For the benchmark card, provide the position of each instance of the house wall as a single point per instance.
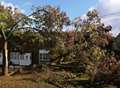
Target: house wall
(36, 57)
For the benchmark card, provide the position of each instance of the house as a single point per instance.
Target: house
(39, 54)
(25, 59)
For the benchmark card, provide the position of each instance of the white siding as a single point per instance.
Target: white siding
(20, 59)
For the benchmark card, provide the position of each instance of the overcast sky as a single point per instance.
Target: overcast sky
(109, 9)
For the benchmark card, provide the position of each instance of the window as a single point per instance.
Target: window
(43, 57)
(27, 57)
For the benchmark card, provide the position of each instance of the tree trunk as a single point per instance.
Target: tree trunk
(93, 75)
(5, 59)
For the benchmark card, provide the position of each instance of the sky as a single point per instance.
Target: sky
(108, 9)
(73, 8)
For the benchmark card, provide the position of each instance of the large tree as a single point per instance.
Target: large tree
(49, 22)
(91, 46)
(8, 19)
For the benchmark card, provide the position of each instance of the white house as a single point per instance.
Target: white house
(25, 59)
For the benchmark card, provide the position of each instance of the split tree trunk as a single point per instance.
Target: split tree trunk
(5, 59)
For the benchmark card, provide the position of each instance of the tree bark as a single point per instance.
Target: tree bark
(5, 59)
(93, 75)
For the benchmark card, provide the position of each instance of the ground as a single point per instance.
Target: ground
(23, 81)
(47, 78)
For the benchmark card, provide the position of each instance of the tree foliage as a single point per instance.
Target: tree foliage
(49, 18)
